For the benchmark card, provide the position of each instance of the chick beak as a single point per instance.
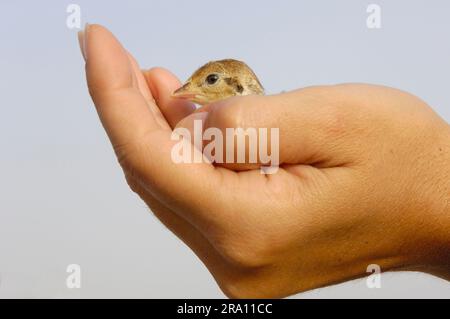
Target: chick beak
(184, 92)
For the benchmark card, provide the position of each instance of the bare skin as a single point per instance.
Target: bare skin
(364, 177)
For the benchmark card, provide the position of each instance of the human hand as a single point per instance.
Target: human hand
(363, 178)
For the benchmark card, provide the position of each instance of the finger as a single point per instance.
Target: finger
(143, 147)
(122, 109)
(145, 91)
(162, 83)
(140, 80)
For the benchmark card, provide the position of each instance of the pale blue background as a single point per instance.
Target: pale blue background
(63, 199)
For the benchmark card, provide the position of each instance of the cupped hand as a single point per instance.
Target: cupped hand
(363, 177)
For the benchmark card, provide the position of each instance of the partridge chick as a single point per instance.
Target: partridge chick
(218, 80)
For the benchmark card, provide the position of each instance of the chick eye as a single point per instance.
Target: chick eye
(212, 79)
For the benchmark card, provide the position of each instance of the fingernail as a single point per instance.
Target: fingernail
(82, 41)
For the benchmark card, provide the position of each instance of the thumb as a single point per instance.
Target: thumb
(297, 127)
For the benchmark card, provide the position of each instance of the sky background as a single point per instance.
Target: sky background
(63, 198)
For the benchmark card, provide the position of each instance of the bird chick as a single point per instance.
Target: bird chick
(218, 80)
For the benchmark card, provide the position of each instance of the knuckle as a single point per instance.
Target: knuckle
(236, 290)
(133, 184)
(130, 157)
(125, 157)
(246, 252)
(333, 113)
(335, 121)
(132, 181)
(244, 285)
(228, 115)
